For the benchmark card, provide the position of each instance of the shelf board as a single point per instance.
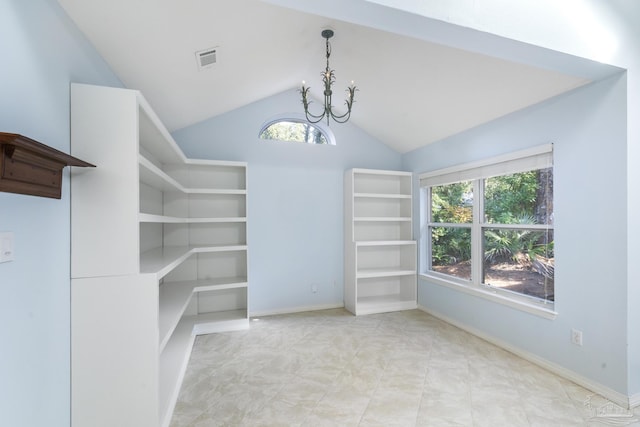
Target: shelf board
(218, 284)
(161, 261)
(215, 191)
(385, 242)
(220, 321)
(208, 162)
(155, 177)
(173, 300)
(380, 172)
(219, 248)
(155, 137)
(382, 219)
(144, 217)
(382, 195)
(369, 273)
(382, 304)
(175, 296)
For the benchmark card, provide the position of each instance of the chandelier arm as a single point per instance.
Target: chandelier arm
(339, 118)
(306, 102)
(314, 118)
(349, 101)
(342, 116)
(314, 121)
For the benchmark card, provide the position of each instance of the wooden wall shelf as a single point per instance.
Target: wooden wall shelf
(32, 168)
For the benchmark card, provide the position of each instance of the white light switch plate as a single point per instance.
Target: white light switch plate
(6, 246)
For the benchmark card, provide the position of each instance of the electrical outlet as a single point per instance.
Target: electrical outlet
(576, 337)
(6, 246)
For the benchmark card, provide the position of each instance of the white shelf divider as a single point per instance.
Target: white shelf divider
(382, 219)
(161, 261)
(383, 272)
(385, 242)
(380, 304)
(382, 196)
(162, 219)
(155, 177)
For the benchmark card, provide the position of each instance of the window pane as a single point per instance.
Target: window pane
(452, 203)
(451, 251)
(520, 198)
(290, 131)
(520, 261)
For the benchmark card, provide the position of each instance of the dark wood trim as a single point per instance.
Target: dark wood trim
(32, 168)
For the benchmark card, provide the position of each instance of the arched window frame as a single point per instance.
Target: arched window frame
(299, 118)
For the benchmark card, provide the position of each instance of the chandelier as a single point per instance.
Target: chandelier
(328, 78)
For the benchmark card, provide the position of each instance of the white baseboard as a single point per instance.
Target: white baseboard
(296, 309)
(634, 400)
(606, 392)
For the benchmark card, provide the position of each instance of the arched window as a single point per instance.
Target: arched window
(293, 128)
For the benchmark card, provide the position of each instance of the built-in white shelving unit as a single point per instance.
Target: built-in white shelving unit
(159, 255)
(380, 255)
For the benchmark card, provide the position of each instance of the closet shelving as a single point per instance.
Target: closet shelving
(380, 255)
(158, 240)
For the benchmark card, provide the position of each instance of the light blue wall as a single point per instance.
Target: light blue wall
(295, 217)
(41, 51)
(588, 129)
(295, 210)
(296, 198)
(604, 32)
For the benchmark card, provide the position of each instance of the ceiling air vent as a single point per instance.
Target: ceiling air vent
(207, 58)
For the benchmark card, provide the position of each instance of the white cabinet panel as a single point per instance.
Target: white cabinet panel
(114, 352)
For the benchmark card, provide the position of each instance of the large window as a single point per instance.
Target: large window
(489, 225)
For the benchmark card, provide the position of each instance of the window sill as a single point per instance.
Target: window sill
(494, 296)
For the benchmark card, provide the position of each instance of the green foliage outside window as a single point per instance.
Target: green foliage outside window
(510, 199)
(450, 245)
(452, 203)
(521, 198)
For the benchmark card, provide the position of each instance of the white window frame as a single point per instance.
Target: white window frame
(539, 157)
(300, 118)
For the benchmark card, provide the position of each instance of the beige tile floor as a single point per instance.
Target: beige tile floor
(329, 368)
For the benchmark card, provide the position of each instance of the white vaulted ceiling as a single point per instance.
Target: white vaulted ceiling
(411, 91)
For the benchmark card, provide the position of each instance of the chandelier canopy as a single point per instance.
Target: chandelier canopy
(328, 78)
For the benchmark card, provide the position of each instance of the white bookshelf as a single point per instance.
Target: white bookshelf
(148, 214)
(380, 255)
